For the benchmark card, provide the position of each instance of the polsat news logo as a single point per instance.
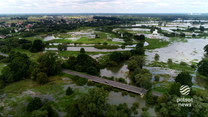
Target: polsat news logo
(185, 90)
(185, 102)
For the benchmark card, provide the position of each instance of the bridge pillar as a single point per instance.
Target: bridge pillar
(142, 95)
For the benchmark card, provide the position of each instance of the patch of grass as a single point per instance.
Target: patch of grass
(2, 65)
(163, 88)
(76, 53)
(156, 43)
(32, 56)
(87, 40)
(60, 41)
(172, 66)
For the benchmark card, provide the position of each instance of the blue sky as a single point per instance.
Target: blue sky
(103, 6)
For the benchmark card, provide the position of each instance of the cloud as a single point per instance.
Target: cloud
(102, 6)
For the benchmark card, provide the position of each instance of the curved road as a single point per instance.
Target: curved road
(115, 84)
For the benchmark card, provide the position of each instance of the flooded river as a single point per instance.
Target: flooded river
(192, 50)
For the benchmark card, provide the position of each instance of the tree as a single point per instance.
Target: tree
(144, 80)
(39, 113)
(37, 46)
(184, 78)
(203, 67)
(206, 48)
(62, 47)
(69, 91)
(132, 65)
(17, 69)
(91, 104)
(49, 64)
(42, 78)
(82, 50)
(171, 108)
(201, 28)
(117, 57)
(121, 110)
(157, 78)
(174, 89)
(157, 57)
(200, 107)
(34, 104)
(92, 71)
(140, 61)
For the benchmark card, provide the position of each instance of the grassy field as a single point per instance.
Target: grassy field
(172, 66)
(76, 53)
(19, 93)
(156, 43)
(32, 56)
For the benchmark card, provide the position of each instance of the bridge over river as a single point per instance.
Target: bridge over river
(115, 84)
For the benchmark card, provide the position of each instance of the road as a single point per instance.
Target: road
(5, 55)
(115, 84)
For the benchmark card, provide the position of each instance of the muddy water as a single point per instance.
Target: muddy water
(116, 98)
(116, 72)
(180, 51)
(48, 38)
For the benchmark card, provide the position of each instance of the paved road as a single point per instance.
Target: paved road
(115, 84)
(4, 54)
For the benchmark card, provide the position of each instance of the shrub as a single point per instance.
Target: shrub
(157, 78)
(39, 113)
(90, 83)
(69, 91)
(170, 61)
(157, 57)
(121, 80)
(193, 66)
(92, 71)
(183, 63)
(2, 84)
(34, 104)
(42, 78)
(81, 81)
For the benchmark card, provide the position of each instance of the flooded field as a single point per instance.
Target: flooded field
(192, 50)
(117, 72)
(116, 98)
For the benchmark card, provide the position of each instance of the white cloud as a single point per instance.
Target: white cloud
(102, 6)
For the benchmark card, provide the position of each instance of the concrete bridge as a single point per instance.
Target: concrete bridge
(115, 84)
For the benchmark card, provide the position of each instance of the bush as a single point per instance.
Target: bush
(81, 81)
(2, 84)
(111, 64)
(39, 113)
(157, 78)
(157, 57)
(34, 104)
(75, 78)
(193, 66)
(170, 61)
(69, 91)
(121, 80)
(92, 71)
(90, 83)
(183, 63)
(42, 78)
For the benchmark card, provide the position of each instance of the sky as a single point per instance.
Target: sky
(103, 6)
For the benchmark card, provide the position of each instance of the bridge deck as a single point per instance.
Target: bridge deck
(115, 84)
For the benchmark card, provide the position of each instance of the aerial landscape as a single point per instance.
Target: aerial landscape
(62, 62)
